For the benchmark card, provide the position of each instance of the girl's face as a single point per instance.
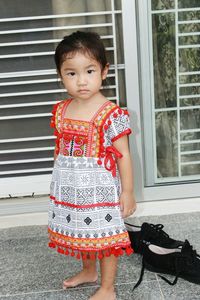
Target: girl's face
(82, 76)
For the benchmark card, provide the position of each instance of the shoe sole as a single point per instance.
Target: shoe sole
(153, 269)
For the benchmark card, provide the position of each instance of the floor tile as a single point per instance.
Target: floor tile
(133, 220)
(23, 231)
(183, 290)
(183, 231)
(70, 294)
(191, 217)
(146, 291)
(129, 269)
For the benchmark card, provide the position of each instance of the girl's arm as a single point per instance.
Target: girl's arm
(127, 198)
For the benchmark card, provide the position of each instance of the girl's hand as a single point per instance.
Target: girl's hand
(127, 204)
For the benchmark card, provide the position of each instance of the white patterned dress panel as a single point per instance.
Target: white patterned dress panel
(83, 186)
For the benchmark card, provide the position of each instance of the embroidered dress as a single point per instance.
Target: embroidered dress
(84, 211)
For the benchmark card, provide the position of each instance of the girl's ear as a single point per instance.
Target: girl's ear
(105, 71)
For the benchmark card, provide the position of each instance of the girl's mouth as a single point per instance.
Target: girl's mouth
(83, 91)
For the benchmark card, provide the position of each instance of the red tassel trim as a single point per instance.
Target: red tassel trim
(126, 112)
(66, 252)
(129, 251)
(99, 162)
(107, 253)
(52, 245)
(60, 250)
(84, 256)
(78, 256)
(100, 255)
(72, 253)
(92, 254)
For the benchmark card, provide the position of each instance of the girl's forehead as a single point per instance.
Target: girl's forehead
(78, 58)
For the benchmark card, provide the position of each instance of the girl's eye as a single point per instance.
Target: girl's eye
(71, 74)
(90, 71)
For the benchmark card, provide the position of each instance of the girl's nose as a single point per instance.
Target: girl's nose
(81, 80)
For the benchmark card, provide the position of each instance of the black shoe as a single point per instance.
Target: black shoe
(181, 262)
(148, 233)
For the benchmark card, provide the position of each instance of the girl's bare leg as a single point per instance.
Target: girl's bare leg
(108, 272)
(87, 274)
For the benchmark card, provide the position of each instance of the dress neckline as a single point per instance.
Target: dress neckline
(68, 101)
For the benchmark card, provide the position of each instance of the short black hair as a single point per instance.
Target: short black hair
(80, 41)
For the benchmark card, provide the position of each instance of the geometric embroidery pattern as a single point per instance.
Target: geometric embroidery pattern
(105, 194)
(88, 221)
(108, 217)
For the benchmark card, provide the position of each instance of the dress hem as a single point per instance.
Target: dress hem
(117, 250)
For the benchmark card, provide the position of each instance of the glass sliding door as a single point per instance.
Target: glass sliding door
(170, 58)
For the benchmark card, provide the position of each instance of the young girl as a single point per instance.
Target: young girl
(92, 183)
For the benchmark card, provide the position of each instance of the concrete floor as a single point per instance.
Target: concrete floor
(30, 270)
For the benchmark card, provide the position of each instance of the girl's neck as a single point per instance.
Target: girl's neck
(97, 99)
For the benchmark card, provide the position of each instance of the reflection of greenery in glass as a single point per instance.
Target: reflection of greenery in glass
(190, 119)
(188, 15)
(191, 90)
(164, 60)
(189, 101)
(189, 78)
(190, 170)
(189, 59)
(195, 90)
(162, 4)
(188, 3)
(191, 157)
(184, 28)
(190, 147)
(189, 40)
(190, 136)
(166, 144)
